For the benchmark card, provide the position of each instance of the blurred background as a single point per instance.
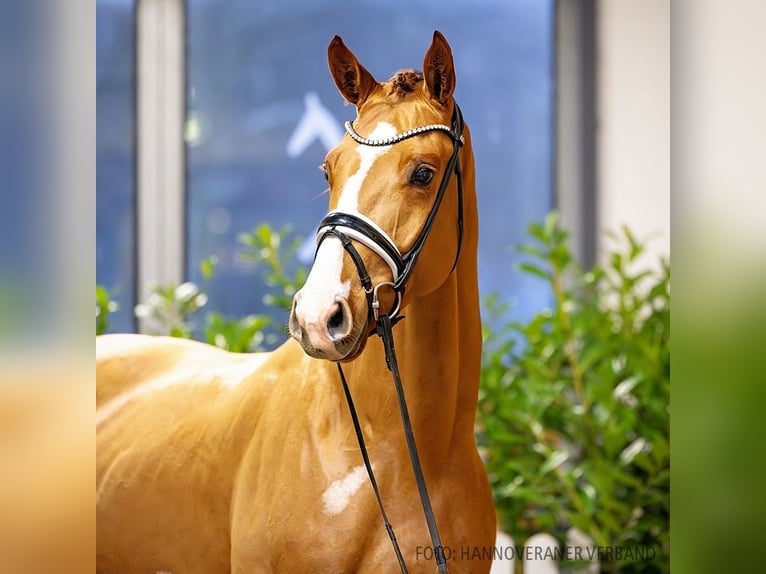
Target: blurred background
(213, 117)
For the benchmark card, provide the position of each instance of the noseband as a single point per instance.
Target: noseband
(348, 227)
(355, 226)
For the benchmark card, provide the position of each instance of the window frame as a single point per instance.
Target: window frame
(160, 148)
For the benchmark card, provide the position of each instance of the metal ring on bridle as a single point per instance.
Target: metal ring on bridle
(376, 302)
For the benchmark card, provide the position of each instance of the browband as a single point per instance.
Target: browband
(402, 136)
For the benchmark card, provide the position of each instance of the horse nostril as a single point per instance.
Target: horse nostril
(337, 324)
(336, 319)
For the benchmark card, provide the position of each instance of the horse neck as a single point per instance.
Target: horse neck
(438, 347)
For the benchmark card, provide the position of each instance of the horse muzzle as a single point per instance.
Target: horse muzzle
(325, 330)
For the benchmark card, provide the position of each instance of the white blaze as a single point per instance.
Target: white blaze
(323, 283)
(349, 197)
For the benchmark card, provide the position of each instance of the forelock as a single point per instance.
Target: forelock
(404, 82)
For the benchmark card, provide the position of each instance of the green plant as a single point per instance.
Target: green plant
(244, 335)
(574, 404)
(238, 335)
(271, 250)
(170, 309)
(104, 307)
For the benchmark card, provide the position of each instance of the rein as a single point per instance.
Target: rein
(351, 226)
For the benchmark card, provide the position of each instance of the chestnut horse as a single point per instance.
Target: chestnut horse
(210, 462)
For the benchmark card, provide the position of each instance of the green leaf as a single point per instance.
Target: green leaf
(533, 270)
(556, 459)
(624, 388)
(263, 234)
(549, 227)
(104, 307)
(635, 247)
(207, 267)
(532, 250)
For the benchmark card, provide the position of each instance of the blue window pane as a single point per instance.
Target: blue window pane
(255, 70)
(25, 253)
(115, 185)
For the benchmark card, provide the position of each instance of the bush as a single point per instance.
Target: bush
(171, 309)
(574, 404)
(275, 253)
(168, 308)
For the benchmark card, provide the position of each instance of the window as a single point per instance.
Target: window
(254, 70)
(115, 187)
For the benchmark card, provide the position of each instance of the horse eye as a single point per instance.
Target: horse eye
(422, 176)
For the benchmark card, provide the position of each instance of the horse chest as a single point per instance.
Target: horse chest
(310, 506)
(309, 531)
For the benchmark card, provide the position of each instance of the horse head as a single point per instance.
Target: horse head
(391, 187)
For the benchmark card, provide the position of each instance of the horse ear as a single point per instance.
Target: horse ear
(439, 69)
(353, 80)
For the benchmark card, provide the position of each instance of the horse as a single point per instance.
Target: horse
(210, 461)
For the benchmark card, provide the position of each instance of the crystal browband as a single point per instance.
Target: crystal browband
(402, 136)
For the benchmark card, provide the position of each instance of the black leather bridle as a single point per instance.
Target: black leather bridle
(350, 227)
(355, 226)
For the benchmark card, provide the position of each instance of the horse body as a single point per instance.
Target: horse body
(210, 461)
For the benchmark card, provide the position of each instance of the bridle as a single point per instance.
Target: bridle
(350, 227)
(355, 226)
